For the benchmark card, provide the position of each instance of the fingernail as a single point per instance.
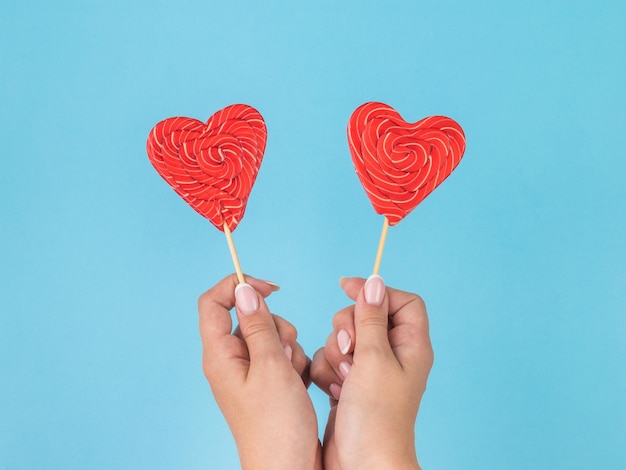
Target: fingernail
(246, 298)
(275, 287)
(342, 279)
(344, 341)
(335, 391)
(344, 368)
(374, 290)
(288, 351)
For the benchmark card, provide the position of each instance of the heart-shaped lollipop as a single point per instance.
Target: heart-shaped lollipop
(400, 163)
(211, 166)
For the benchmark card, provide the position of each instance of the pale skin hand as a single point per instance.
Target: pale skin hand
(376, 383)
(258, 375)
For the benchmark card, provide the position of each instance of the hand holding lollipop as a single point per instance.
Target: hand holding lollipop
(376, 361)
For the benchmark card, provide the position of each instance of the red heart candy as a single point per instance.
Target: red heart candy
(400, 163)
(211, 166)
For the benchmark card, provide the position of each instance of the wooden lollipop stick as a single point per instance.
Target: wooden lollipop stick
(233, 253)
(381, 246)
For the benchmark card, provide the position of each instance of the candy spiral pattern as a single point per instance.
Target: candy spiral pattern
(400, 163)
(212, 166)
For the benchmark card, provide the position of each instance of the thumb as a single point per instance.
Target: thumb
(256, 323)
(371, 317)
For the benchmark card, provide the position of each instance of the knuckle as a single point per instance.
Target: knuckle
(333, 355)
(286, 330)
(343, 317)
(318, 366)
(373, 319)
(319, 355)
(298, 361)
(204, 301)
(423, 356)
(429, 354)
(254, 330)
(290, 331)
(417, 302)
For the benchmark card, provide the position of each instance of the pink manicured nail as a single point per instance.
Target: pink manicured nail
(246, 298)
(275, 287)
(344, 368)
(344, 341)
(288, 351)
(335, 391)
(374, 290)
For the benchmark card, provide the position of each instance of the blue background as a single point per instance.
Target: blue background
(520, 254)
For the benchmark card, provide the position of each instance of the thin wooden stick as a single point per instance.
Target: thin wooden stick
(233, 253)
(381, 246)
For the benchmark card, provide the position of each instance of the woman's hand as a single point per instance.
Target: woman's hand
(259, 376)
(374, 367)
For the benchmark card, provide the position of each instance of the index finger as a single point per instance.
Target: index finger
(409, 335)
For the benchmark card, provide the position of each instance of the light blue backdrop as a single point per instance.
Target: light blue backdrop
(520, 254)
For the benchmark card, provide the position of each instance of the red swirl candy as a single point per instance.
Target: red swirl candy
(400, 163)
(211, 166)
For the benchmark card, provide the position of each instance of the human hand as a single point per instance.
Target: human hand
(257, 374)
(374, 367)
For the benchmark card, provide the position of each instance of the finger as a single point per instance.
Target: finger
(288, 334)
(352, 286)
(406, 308)
(324, 376)
(257, 325)
(215, 324)
(343, 326)
(409, 336)
(371, 318)
(301, 363)
(341, 363)
(214, 311)
(286, 331)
